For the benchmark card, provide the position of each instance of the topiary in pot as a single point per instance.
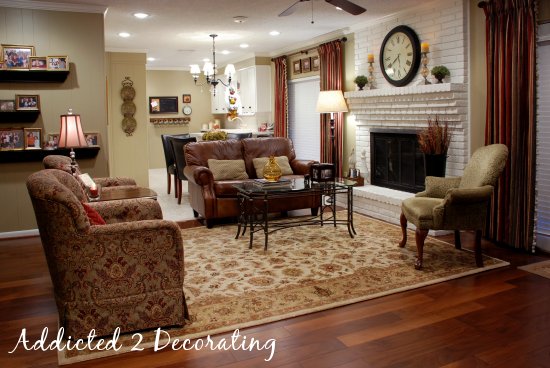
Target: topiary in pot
(361, 81)
(440, 72)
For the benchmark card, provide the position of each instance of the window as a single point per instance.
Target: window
(303, 118)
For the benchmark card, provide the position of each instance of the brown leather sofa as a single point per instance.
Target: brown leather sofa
(214, 199)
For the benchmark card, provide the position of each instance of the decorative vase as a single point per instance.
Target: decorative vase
(439, 78)
(435, 165)
(272, 171)
(361, 86)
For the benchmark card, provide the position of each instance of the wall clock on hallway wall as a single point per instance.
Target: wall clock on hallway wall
(400, 56)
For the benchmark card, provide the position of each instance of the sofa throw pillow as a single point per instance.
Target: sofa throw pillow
(227, 169)
(94, 217)
(282, 161)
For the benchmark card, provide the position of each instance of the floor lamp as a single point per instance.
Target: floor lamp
(71, 135)
(332, 102)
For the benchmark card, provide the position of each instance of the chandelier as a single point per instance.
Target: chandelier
(210, 69)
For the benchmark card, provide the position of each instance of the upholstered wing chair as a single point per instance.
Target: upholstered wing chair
(64, 163)
(120, 274)
(458, 203)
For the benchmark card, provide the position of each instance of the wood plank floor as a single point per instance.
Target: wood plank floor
(499, 318)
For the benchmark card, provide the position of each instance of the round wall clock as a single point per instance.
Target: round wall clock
(187, 110)
(400, 55)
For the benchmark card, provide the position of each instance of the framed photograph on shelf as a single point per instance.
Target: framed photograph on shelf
(33, 138)
(17, 56)
(163, 105)
(58, 63)
(52, 140)
(12, 139)
(186, 98)
(92, 138)
(306, 65)
(38, 63)
(7, 105)
(27, 102)
(315, 63)
(297, 66)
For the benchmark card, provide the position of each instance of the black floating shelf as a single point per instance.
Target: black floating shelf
(33, 76)
(39, 154)
(21, 116)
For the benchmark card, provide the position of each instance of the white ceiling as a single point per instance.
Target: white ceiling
(177, 32)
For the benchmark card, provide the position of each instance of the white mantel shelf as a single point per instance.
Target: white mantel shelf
(409, 90)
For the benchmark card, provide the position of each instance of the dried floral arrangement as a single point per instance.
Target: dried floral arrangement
(436, 138)
(214, 135)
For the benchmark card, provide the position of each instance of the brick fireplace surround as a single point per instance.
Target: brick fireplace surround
(405, 109)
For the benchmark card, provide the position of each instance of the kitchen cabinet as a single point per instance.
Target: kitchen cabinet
(218, 103)
(254, 85)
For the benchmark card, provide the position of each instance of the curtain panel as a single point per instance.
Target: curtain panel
(510, 27)
(330, 72)
(281, 97)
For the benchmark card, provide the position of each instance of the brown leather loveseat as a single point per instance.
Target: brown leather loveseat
(213, 199)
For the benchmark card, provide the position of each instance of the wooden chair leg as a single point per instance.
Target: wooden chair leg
(169, 181)
(477, 249)
(179, 191)
(458, 244)
(403, 221)
(175, 186)
(195, 214)
(420, 237)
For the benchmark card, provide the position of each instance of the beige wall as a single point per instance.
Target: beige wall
(80, 37)
(175, 83)
(477, 80)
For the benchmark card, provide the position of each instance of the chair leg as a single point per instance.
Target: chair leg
(179, 191)
(477, 249)
(195, 214)
(403, 221)
(420, 237)
(458, 244)
(175, 186)
(169, 182)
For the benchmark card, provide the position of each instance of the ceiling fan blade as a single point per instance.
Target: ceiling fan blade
(291, 9)
(347, 6)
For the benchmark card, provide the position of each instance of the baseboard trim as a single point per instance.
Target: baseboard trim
(19, 234)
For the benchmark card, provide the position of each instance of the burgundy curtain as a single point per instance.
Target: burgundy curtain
(510, 27)
(281, 97)
(331, 66)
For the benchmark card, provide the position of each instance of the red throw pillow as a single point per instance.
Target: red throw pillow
(94, 217)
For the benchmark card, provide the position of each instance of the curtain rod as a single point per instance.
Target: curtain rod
(306, 51)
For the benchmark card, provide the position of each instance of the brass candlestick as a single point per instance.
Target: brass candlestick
(425, 71)
(371, 77)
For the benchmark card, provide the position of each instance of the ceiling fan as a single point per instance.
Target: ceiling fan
(345, 5)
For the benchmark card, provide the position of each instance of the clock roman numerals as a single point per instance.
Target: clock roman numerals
(400, 53)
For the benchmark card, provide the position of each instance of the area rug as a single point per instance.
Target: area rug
(305, 269)
(539, 268)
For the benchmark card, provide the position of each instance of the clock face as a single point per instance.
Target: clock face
(400, 56)
(187, 110)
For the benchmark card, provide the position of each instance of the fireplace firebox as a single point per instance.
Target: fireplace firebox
(396, 161)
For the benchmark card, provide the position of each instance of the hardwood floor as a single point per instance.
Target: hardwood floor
(499, 318)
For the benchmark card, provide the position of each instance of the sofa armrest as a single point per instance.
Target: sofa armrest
(301, 167)
(437, 187)
(114, 182)
(199, 175)
(128, 210)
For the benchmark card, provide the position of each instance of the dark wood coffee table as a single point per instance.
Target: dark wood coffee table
(125, 192)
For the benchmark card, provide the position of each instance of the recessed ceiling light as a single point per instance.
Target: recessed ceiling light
(141, 15)
(124, 34)
(151, 59)
(274, 33)
(225, 52)
(338, 8)
(243, 45)
(240, 19)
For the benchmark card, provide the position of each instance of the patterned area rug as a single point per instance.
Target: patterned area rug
(305, 269)
(539, 268)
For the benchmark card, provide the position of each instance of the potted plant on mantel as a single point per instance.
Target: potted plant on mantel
(440, 72)
(361, 81)
(434, 142)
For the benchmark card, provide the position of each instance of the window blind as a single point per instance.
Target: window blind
(303, 118)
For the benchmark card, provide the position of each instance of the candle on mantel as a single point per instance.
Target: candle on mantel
(425, 47)
(370, 58)
(94, 191)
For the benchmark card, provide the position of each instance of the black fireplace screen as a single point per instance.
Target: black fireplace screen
(396, 162)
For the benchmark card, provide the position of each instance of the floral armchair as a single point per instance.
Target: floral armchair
(127, 273)
(64, 163)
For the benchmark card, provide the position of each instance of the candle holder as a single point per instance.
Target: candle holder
(425, 71)
(371, 76)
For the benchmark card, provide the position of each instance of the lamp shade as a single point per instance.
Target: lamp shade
(70, 134)
(331, 101)
(195, 69)
(230, 70)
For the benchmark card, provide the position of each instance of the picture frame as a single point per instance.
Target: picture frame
(58, 62)
(12, 139)
(7, 105)
(38, 63)
(186, 98)
(315, 64)
(92, 138)
(52, 141)
(297, 66)
(163, 105)
(17, 56)
(33, 138)
(27, 102)
(306, 65)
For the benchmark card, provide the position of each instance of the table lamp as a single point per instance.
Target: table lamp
(332, 102)
(71, 136)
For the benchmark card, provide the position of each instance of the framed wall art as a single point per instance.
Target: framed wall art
(92, 138)
(306, 65)
(315, 63)
(17, 56)
(163, 105)
(58, 63)
(12, 139)
(33, 138)
(186, 98)
(27, 102)
(297, 66)
(38, 63)
(7, 105)
(52, 140)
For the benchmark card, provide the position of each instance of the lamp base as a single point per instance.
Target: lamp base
(72, 155)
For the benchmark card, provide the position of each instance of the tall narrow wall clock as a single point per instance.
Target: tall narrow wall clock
(400, 55)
